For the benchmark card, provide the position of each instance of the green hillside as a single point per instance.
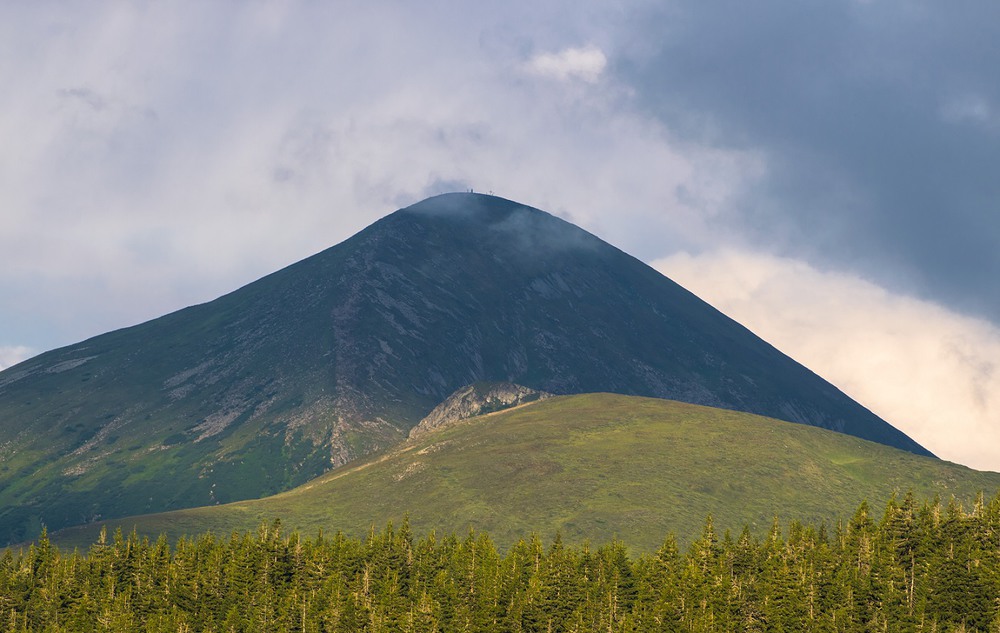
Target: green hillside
(593, 467)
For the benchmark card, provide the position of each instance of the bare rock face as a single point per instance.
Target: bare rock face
(477, 399)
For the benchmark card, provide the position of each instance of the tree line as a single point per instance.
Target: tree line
(917, 567)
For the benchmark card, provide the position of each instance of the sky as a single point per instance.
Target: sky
(824, 173)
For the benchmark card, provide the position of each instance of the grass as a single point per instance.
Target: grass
(592, 467)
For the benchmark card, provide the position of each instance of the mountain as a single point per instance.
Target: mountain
(597, 467)
(340, 355)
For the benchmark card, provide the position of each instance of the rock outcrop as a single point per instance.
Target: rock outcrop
(477, 399)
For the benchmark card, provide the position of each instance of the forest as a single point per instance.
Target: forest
(916, 566)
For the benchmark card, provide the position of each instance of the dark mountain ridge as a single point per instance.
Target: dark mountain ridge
(341, 354)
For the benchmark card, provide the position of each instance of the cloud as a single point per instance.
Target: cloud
(586, 63)
(12, 355)
(156, 157)
(876, 121)
(928, 371)
(972, 109)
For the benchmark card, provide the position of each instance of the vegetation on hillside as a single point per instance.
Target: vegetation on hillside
(592, 466)
(918, 568)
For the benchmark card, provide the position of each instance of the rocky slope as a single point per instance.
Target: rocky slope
(477, 399)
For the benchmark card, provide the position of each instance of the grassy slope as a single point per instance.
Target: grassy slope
(595, 466)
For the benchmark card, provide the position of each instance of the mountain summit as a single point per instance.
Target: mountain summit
(342, 353)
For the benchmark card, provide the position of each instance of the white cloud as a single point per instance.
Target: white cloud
(971, 108)
(152, 158)
(12, 355)
(930, 372)
(586, 63)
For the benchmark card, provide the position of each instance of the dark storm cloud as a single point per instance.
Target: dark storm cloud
(879, 123)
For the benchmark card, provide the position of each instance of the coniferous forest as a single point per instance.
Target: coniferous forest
(914, 567)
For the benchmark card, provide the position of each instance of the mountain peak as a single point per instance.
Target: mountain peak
(491, 223)
(469, 205)
(454, 199)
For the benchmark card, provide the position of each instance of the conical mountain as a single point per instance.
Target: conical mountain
(342, 353)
